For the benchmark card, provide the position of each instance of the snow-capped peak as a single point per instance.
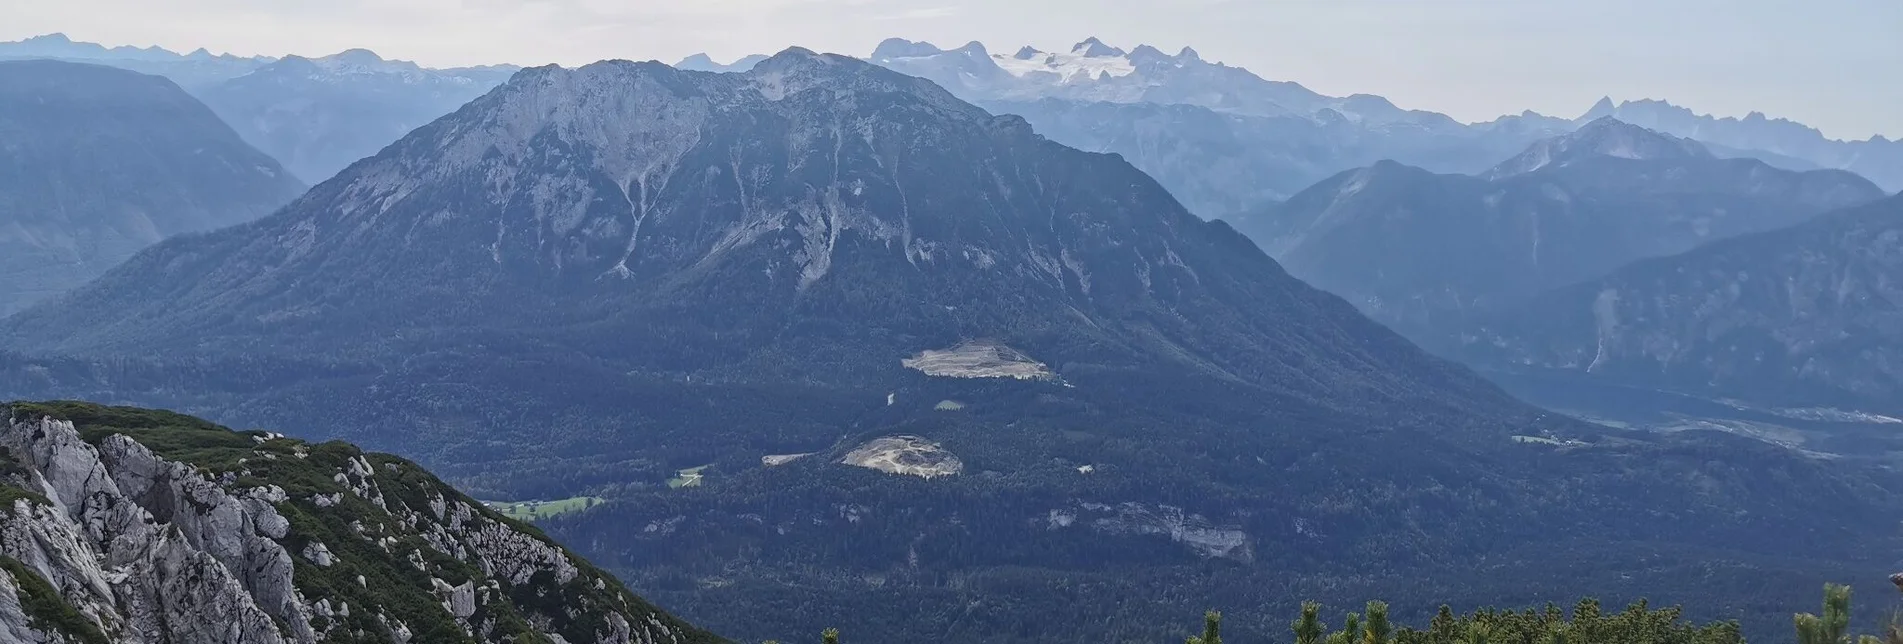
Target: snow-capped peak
(1089, 60)
(1093, 48)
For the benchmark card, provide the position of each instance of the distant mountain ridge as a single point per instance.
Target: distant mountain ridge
(1778, 141)
(314, 115)
(704, 63)
(99, 163)
(1419, 250)
(191, 71)
(1811, 314)
(1603, 137)
(318, 115)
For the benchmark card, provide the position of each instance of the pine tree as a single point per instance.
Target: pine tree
(1445, 628)
(1477, 633)
(1212, 629)
(1828, 629)
(1378, 630)
(831, 636)
(1350, 631)
(1310, 629)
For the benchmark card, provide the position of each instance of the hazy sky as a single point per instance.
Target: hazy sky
(1834, 64)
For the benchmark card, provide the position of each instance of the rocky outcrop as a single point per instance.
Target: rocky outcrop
(197, 545)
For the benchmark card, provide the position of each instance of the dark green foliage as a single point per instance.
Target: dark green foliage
(1212, 629)
(1828, 629)
(48, 612)
(1638, 624)
(1309, 628)
(1834, 625)
(830, 636)
(1378, 629)
(13, 479)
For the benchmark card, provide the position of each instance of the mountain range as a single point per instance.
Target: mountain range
(318, 115)
(1172, 115)
(842, 348)
(101, 162)
(194, 70)
(1420, 250)
(315, 115)
(1221, 138)
(1780, 142)
(1806, 315)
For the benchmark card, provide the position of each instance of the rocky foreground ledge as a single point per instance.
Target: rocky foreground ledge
(132, 525)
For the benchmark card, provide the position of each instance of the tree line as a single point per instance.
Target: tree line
(1586, 624)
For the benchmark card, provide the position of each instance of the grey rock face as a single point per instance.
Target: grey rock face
(157, 551)
(204, 574)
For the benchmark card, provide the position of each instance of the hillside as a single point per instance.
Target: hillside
(99, 163)
(1420, 250)
(133, 525)
(1806, 315)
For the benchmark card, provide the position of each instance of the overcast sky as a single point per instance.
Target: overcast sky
(1833, 64)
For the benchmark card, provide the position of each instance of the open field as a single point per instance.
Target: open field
(538, 510)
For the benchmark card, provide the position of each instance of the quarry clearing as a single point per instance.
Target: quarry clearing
(979, 359)
(908, 455)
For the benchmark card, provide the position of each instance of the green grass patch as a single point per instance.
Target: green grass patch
(538, 510)
(690, 477)
(45, 610)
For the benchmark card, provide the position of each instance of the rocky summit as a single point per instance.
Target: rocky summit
(127, 525)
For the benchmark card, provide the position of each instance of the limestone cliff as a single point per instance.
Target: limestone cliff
(137, 526)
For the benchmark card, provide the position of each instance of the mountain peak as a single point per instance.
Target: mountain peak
(1601, 109)
(1602, 137)
(1093, 48)
(1188, 54)
(1027, 52)
(702, 62)
(55, 38)
(356, 56)
(901, 48)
